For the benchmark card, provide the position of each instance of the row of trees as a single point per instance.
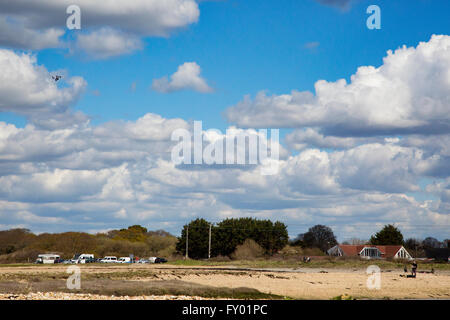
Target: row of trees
(322, 237)
(230, 237)
(18, 245)
(390, 234)
(230, 233)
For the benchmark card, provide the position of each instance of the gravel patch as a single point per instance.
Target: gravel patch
(82, 296)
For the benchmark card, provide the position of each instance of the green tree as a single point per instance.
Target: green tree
(280, 236)
(15, 239)
(298, 241)
(198, 239)
(413, 244)
(230, 233)
(389, 235)
(134, 233)
(430, 242)
(319, 236)
(446, 243)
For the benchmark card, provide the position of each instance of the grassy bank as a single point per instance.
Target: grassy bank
(329, 263)
(323, 263)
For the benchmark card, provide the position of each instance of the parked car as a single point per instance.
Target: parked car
(83, 258)
(160, 260)
(124, 260)
(87, 260)
(75, 257)
(109, 259)
(143, 261)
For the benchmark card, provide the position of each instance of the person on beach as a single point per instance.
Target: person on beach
(414, 268)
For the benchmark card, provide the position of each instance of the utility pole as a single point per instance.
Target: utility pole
(209, 247)
(187, 241)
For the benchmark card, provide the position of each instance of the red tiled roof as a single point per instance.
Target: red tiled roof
(389, 251)
(353, 250)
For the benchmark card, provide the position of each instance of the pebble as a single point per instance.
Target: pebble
(88, 296)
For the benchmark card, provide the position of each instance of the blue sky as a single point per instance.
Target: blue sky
(247, 46)
(242, 48)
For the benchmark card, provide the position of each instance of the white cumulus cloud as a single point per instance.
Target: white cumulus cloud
(28, 88)
(409, 93)
(106, 42)
(39, 24)
(187, 77)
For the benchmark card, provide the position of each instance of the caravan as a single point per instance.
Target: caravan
(47, 258)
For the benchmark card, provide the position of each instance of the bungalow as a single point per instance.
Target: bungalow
(369, 251)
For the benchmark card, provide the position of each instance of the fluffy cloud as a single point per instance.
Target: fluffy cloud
(310, 137)
(187, 77)
(26, 19)
(48, 186)
(28, 89)
(310, 172)
(379, 167)
(15, 34)
(153, 127)
(122, 170)
(442, 190)
(148, 17)
(60, 172)
(105, 43)
(85, 147)
(435, 147)
(409, 93)
(381, 137)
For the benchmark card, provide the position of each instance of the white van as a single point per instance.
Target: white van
(124, 260)
(47, 258)
(83, 258)
(109, 259)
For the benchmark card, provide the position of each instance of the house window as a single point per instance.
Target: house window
(371, 252)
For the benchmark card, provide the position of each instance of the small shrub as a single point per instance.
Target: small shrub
(20, 256)
(248, 250)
